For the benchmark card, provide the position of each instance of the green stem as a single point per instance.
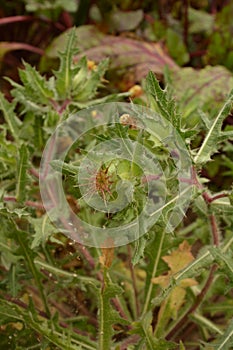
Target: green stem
(33, 269)
(149, 292)
(101, 324)
(107, 316)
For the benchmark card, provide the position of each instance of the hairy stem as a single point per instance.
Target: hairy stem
(216, 241)
(178, 327)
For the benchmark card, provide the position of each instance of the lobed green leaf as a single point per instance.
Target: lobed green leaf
(166, 106)
(210, 143)
(13, 122)
(22, 173)
(66, 73)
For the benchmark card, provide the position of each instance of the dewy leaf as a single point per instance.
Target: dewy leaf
(209, 145)
(9, 312)
(83, 280)
(66, 73)
(22, 173)
(20, 237)
(12, 121)
(166, 105)
(12, 312)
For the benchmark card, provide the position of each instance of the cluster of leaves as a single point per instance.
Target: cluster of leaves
(166, 290)
(135, 307)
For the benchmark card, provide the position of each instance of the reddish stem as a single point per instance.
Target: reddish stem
(13, 46)
(43, 314)
(66, 19)
(198, 53)
(134, 339)
(207, 198)
(15, 19)
(217, 196)
(178, 327)
(27, 203)
(215, 236)
(63, 106)
(149, 18)
(214, 229)
(34, 205)
(119, 308)
(34, 172)
(213, 7)
(186, 22)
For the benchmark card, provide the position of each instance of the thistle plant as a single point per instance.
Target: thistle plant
(155, 269)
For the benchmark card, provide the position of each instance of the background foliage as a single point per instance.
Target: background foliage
(165, 291)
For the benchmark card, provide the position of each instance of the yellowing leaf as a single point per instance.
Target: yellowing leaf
(107, 257)
(107, 254)
(176, 300)
(163, 281)
(188, 282)
(179, 258)
(170, 307)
